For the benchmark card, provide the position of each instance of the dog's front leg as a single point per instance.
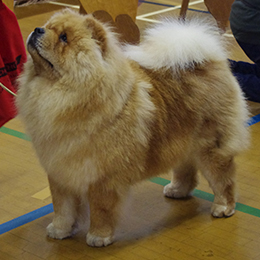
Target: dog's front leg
(65, 212)
(103, 203)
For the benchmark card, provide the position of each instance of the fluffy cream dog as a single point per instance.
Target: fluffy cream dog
(103, 117)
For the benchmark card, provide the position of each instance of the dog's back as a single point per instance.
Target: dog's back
(186, 62)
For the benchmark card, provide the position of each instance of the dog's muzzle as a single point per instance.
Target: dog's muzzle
(36, 34)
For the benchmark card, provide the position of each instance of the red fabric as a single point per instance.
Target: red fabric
(12, 57)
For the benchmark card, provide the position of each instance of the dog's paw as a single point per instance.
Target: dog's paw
(220, 211)
(59, 233)
(174, 191)
(97, 241)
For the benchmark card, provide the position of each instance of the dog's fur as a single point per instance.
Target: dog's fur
(103, 116)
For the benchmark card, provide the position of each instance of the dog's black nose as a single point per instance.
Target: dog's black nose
(39, 30)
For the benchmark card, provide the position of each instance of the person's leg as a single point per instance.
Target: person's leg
(250, 85)
(252, 51)
(244, 68)
(248, 74)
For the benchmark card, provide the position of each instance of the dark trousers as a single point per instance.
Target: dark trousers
(247, 74)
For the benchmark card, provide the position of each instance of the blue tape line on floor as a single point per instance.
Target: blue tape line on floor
(29, 217)
(253, 120)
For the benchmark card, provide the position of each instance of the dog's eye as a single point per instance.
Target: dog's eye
(63, 37)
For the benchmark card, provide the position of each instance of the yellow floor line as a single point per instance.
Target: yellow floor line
(43, 194)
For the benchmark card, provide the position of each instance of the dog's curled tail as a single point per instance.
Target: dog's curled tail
(179, 44)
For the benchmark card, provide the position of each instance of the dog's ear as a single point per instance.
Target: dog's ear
(98, 33)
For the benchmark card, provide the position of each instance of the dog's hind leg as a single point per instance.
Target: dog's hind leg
(103, 203)
(65, 213)
(184, 180)
(219, 170)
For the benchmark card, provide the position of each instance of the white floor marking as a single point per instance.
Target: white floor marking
(168, 9)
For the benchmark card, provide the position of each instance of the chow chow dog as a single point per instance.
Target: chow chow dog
(103, 116)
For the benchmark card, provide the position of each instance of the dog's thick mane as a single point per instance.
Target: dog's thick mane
(178, 44)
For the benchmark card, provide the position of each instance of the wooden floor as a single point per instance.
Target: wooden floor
(152, 226)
